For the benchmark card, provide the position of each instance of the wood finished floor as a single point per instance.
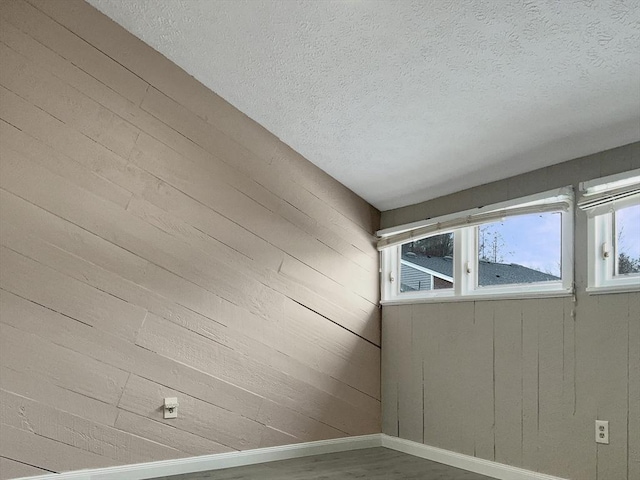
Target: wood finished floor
(372, 463)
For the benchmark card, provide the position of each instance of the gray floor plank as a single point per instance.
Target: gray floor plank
(371, 463)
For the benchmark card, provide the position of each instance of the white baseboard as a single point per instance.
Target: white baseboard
(465, 462)
(141, 471)
(218, 461)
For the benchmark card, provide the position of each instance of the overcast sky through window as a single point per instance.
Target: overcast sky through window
(628, 229)
(533, 241)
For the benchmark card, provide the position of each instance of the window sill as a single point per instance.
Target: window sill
(479, 297)
(613, 289)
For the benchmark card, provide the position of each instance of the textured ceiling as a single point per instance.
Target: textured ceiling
(403, 101)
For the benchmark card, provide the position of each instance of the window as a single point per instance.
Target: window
(520, 249)
(612, 205)
(427, 264)
(517, 248)
(626, 226)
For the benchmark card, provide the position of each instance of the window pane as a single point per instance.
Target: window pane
(521, 249)
(627, 224)
(427, 264)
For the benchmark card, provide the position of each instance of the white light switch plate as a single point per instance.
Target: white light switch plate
(171, 407)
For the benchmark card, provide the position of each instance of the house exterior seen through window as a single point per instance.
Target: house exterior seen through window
(520, 249)
(427, 264)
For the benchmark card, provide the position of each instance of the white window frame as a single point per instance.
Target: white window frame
(465, 252)
(600, 200)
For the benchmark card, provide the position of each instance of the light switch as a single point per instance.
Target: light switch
(171, 407)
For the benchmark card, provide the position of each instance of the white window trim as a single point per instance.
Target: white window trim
(465, 254)
(601, 241)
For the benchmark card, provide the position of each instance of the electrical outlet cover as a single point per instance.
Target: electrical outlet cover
(602, 432)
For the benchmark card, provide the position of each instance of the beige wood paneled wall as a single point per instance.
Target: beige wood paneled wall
(157, 242)
(521, 382)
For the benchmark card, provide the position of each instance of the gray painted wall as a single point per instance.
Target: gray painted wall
(157, 242)
(520, 382)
